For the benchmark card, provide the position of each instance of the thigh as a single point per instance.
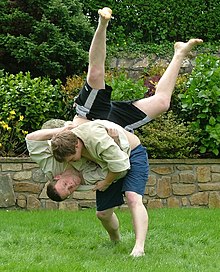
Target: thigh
(137, 176)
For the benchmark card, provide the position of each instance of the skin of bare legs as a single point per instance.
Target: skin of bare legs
(140, 222)
(97, 56)
(97, 52)
(160, 102)
(110, 222)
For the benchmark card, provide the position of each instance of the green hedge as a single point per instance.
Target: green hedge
(47, 38)
(142, 21)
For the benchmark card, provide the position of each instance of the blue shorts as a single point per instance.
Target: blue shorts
(96, 104)
(134, 181)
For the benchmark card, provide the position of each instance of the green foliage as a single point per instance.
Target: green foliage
(167, 137)
(25, 104)
(125, 88)
(201, 103)
(146, 21)
(46, 38)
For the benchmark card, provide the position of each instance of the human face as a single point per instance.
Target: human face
(66, 184)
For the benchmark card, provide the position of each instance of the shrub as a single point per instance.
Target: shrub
(25, 104)
(167, 137)
(146, 21)
(125, 88)
(12, 135)
(47, 38)
(201, 103)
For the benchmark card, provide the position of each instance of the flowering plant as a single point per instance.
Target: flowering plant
(12, 136)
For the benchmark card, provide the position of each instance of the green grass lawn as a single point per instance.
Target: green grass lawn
(60, 241)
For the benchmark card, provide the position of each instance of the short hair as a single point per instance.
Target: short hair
(63, 144)
(53, 194)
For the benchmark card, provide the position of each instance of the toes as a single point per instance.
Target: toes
(106, 13)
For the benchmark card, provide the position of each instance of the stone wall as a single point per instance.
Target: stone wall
(172, 183)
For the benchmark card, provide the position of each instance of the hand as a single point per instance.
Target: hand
(101, 186)
(113, 132)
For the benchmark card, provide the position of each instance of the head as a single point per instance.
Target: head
(65, 146)
(64, 185)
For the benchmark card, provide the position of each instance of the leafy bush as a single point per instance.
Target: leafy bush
(125, 88)
(25, 104)
(201, 103)
(146, 21)
(46, 38)
(167, 137)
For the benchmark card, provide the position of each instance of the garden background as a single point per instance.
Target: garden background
(44, 54)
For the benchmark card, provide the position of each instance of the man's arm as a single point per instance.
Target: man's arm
(45, 134)
(104, 184)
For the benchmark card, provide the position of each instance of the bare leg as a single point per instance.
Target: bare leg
(97, 52)
(110, 222)
(140, 222)
(160, 102)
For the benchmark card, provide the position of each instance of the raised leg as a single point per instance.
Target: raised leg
(97, 52)
(160, 102)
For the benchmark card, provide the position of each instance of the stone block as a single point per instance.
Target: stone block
(154, 203)
(33, 203)
(43, 193)
(215, 177)
(175, 178)
(11, 167)
(187, 177)
(51, 205)
(200, 199)
(162, 170)
(70, 205)
(151, 180)
(215, 168)
(22, 175)
(152, 191)
(125, 63)
(203, 173)
(164, 188)
(7, 195)
(209, 186)
(173, 202)
(38, 176)
(185, 201)
(84, 195)
(27, 187)
(29, 166)
(183, 189)
(184, 167)
(214, 200)
(21, 201)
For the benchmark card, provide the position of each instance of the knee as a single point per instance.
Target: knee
(164, 103)
(95, 73)
(133, 199)
(103, 215)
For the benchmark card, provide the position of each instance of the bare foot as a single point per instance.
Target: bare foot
(137, 253)
(184, 48)
(105, 13)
